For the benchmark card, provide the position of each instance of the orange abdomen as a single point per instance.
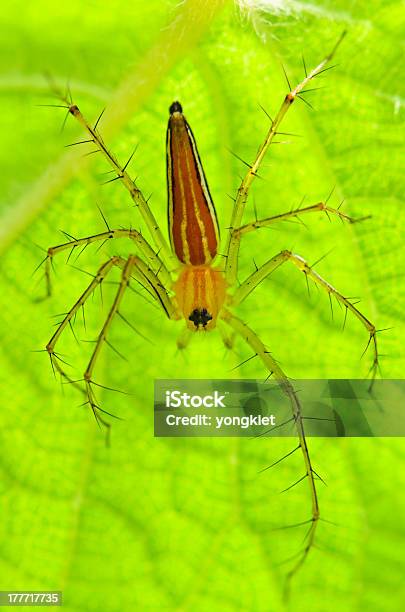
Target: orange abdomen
(193, 225)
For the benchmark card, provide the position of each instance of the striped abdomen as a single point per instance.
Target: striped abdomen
(193, 225)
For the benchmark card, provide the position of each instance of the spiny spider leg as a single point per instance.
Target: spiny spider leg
(133, 267)
(297, 212)
(128, 266)
(150, 281)
(232, 248)
(274, 369)
(122, 175)
(102, 272)
(267, 268)
(145, 249)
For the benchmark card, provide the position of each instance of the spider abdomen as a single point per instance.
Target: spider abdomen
(200, 294)
(193, 225)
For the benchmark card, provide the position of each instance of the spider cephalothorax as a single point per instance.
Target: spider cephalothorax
(200, 294)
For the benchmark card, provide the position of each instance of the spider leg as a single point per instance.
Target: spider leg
(267, 268)
(133, 267)
(228, 339)
(98, 278)
(232, 248)
(156, 263)
(122, 175)
(297, 212)
(252, 339)
(184, 339)
(128, 266)
(152, 283)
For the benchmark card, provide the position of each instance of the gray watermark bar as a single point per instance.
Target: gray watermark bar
(246, 408)
(30, 598)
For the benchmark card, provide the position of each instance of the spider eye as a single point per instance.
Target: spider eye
(175, 108)
(200, 316)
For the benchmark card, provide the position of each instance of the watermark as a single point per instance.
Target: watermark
(330, 408)
(30, 598)
(177, 399)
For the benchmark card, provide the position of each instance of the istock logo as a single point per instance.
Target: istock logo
(177, 399)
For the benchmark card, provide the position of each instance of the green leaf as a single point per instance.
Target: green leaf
(189, 523)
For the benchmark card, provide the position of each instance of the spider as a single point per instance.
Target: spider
(184, 278)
